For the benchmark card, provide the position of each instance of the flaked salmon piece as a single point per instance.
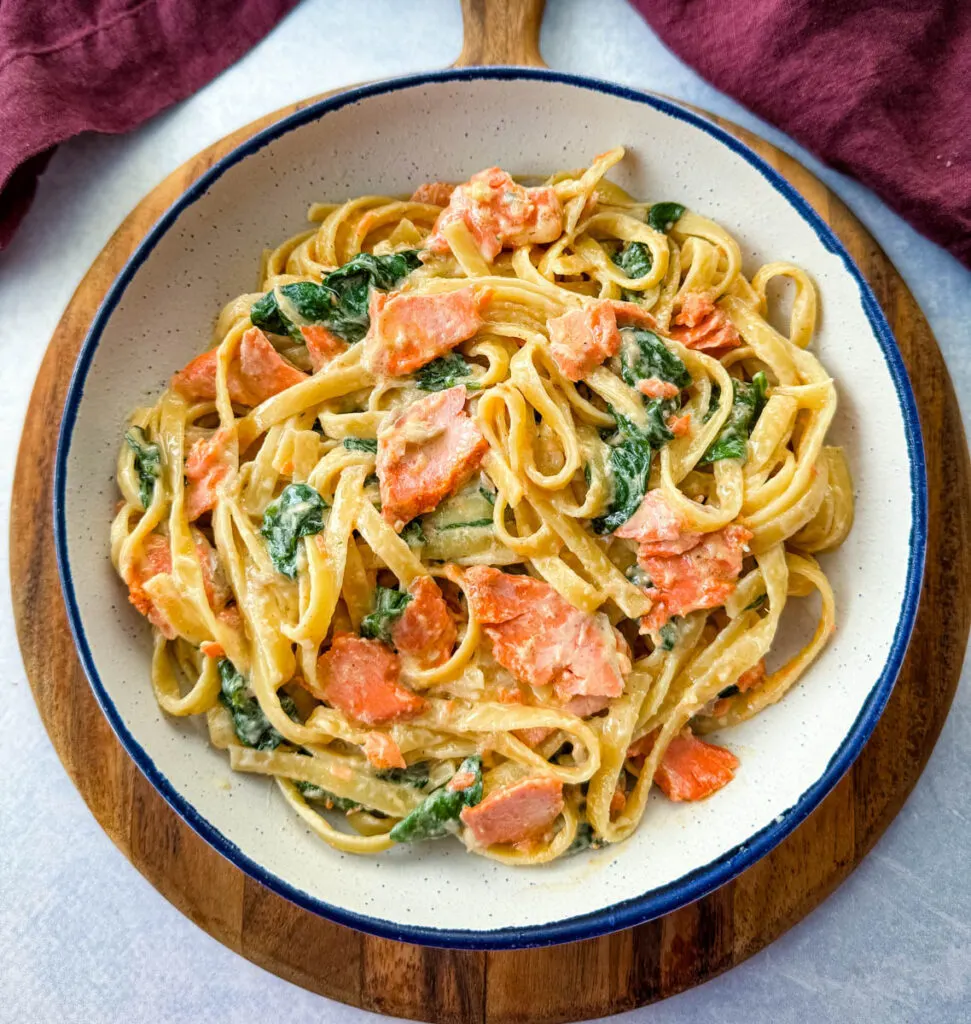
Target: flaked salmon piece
(752, 677)
(214, 581)
(437, 193)
(657, 528)
(425, 454)
(585, 706)
(542, 639)
(409, 330)
(583, 338)
(382, 751)
(516, 813)
(703, 577)
(257, 373)
(360, 678)
(643, 746)
(500, 214)
(510, 695)
(692, 769)
(654, 387)
(679, 425)
(156, 558)
(462, 781)
(425, 629)
(618, 801)
(700, 324)
(231, 617)
(534, 736)
(322, 345)
(208, 464)
(631, 314)
(748, 680)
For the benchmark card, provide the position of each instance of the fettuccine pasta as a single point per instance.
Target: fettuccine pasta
(482, 509)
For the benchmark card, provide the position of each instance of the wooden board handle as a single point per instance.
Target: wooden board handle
(501, 32)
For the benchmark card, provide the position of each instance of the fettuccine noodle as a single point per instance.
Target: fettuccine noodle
(479, 535)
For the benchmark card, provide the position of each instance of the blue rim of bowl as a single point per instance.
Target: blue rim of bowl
(637, 909)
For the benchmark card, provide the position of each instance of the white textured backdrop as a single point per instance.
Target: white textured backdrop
(85, 940)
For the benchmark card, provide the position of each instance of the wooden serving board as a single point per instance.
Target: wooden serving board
(571, 982)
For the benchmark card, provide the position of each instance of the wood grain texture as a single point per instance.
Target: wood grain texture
(501, 32)
(573, 982)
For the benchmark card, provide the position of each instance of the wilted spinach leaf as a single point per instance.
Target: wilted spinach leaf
(634, 259)
(460, 526)
(638, 576)
(251, 724)
(413, 534)
(361, 444)
(630, 467)
(388, 607)
(438, 814)
(352, 283)
(328, 799)
(713, 402)
(340, 301)
(644, 355)
(585, 839)
(415, 775)
(148, 463)
(297, 512)
(663, 216)
(658, 410)
(265, 314)
(445, 372)
(669, 636)
(747, 404)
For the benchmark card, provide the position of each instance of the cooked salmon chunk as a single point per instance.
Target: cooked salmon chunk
(322, 345)
(542, 639)
(517, 813)
(155, 559)
(425, 628)
(748, 680)
(257, 373)
(583, 338)
(679, 425)
(654, 387)
(436, 193)
(703, 577)
(360, 678)
(692, 769)
(407, 330)
(657, 528)
(425, 454)
(500, 214)
(700, 324)
(631, 314)
(208, 464)
(231, 618)
(382, 751)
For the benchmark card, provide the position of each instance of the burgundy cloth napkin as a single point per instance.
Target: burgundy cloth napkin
(879, 89)
(68, 66)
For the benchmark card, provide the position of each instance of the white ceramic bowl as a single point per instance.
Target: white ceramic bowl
(387, 138)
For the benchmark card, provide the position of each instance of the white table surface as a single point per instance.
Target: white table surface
(84, 938)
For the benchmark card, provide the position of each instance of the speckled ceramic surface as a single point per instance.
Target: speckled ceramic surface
(387, 139)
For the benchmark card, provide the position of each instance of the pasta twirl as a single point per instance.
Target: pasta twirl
(483, 509)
